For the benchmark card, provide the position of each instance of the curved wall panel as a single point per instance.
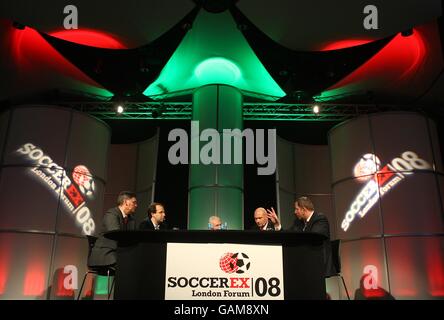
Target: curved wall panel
(304, 170)
(387, 187)
(132, 167)
(53, 172)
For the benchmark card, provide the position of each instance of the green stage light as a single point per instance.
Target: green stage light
(214, 51)
(217, 71)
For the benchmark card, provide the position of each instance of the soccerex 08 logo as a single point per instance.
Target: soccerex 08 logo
(73, 190)
(234, 262)
(244, 281)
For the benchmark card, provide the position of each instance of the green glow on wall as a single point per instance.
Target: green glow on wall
(94, 91)
(214, 51)
(216, 189)
(100, 92)
(333, 94)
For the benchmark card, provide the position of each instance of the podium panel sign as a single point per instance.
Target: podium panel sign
(210, 271)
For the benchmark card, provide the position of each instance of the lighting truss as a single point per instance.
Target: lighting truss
(251, 111)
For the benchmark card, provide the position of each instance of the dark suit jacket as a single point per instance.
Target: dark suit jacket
(146, 224)
(104, 251)
(270, 226)
(319, 224)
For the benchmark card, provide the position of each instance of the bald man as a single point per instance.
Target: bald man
(266, 220)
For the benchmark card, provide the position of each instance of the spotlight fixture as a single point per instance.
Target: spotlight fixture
(158, 112)
(120, 109)
(407, 33)
(316, 109)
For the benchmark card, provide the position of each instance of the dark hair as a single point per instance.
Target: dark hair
(305, 202)
(124, 195)
(152, 207)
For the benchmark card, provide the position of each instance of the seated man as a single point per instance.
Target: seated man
(214, 223)
(118, 218)
(308, 220)
(266, 220)
(155, 219)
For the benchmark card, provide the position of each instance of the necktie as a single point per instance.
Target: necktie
(305, 226)
(125, 220)
(156, 227)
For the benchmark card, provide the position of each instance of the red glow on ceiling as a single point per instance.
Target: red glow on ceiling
(91, 38)
(342, 44)
(35, 58)
(34, 284)
(397, 62)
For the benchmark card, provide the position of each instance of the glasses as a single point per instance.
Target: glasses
(223, 226)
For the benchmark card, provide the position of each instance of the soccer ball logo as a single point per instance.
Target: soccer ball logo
(234, 262)
(82, 177)
(368, 165)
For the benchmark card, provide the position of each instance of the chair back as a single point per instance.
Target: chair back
(91, 242)
(335, 246)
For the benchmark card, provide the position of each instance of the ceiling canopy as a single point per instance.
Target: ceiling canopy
(283, 51)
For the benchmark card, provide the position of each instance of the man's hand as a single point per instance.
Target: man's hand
(271, 214)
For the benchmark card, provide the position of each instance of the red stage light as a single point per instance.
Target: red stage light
(342, 44)
(34, 284)
(91, 38)
(5, 259)
(435, 267)
(37, 63)
(396, 62)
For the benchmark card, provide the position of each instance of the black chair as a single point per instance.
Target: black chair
(97, 270)
(335, 246)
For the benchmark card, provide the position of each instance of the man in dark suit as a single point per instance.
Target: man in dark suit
(155, 219)
(118, 218)
(309, 220)
(266, 220)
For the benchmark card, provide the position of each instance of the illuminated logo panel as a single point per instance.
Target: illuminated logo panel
(73, 190)
(381, 180)
(368, 164)
(223, 271)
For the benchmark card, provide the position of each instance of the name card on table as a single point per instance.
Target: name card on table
(208, 271)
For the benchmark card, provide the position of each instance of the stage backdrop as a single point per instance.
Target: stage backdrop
(388, 193)
(53, 171)
(132, 167)
(304, 170)
(55, 163)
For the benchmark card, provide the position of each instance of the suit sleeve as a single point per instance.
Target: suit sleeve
(142, 225)
(297, 226)
(111, 221)
(321, 226)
